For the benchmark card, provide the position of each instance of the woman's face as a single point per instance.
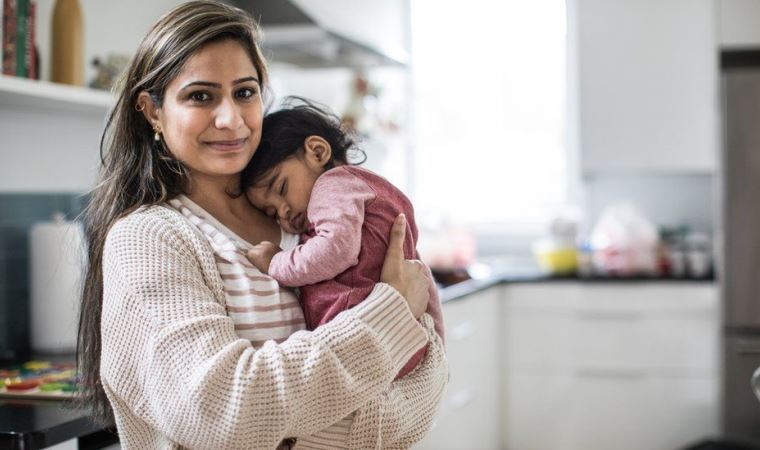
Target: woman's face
(212, 112)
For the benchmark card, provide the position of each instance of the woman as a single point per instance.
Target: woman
(158, 350)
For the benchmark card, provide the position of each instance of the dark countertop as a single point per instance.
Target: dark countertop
(32, 424)
(465, 288)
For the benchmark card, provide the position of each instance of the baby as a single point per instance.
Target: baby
(300, 174)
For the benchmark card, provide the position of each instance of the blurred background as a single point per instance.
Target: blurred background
(585, 176)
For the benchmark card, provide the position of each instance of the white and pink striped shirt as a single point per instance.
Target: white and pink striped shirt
(260, 308)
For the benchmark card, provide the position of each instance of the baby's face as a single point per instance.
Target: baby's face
(284, 194)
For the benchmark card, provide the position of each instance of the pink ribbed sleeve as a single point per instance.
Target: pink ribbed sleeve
(336, 210)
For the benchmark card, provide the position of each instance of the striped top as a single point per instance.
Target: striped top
(178, 376)
(260, 308)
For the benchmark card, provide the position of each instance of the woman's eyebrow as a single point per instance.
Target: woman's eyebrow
(218, 85)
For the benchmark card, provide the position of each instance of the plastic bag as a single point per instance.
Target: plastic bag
(624, 242)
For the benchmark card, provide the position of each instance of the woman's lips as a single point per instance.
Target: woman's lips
(227, 145)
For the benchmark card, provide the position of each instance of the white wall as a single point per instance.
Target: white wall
(48, 150)
(738, 23)
(666, 199)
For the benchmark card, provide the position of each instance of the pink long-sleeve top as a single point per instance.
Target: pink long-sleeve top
(340, 257)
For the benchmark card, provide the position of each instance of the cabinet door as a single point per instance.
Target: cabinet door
(596, 366)
(647, 73)
(607, 410)
(661, 328)
(470, 412)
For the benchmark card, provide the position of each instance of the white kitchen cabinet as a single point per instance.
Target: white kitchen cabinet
(469, 416)
(647, 80)
(599, 366)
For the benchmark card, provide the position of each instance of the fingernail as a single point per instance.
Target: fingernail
(402, 219)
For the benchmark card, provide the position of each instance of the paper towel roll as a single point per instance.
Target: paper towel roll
(57, 256)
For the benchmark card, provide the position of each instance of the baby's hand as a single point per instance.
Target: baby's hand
(261, 255)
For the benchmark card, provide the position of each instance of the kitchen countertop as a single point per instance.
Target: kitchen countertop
(33, 424)
(465, 288)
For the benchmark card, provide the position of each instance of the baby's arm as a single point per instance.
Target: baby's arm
(261, 255)
(336, 210)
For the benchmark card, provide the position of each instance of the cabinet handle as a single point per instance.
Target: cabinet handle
(462, 331)
(631, 374)
(461, 398)
(609, 315)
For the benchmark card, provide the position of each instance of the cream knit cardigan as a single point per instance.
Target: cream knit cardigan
(178, 376)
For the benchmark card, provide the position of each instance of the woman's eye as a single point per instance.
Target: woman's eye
(283, 187)
(246, 93)
(200, 96)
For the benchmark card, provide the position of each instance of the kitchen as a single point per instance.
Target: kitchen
(599, 237)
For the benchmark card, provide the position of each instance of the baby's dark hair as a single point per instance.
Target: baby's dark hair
(284, 132)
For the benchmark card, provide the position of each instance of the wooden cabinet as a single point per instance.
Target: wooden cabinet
(647, 85)
(598, 366)
(470, 411)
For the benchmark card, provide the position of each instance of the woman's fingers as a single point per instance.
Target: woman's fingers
(406, 276)
(394, 257)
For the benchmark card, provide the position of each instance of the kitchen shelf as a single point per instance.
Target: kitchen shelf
(44, 95)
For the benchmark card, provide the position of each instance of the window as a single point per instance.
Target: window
(489, 83)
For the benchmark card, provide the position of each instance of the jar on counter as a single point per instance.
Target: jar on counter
(698, 255)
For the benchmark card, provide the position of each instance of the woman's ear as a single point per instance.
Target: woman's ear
(150, 110)
(317, 151)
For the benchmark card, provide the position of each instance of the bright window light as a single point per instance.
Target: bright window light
(489, 81)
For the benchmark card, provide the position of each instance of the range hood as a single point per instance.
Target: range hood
(293, 36)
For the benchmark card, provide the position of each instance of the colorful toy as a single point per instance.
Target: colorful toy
(39, 380)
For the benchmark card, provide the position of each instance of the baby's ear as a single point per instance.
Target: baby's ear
(317, 150)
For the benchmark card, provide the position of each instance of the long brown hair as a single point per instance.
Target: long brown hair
(135, 169)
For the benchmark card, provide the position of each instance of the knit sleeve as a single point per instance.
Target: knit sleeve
(398, 418)
(171, 355)
(404, 414)
(336, 211)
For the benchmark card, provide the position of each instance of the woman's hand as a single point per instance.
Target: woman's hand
(406, 276)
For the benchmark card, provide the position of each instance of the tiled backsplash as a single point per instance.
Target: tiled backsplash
(18, 212)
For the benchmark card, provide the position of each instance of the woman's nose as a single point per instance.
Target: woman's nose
(228, 115)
